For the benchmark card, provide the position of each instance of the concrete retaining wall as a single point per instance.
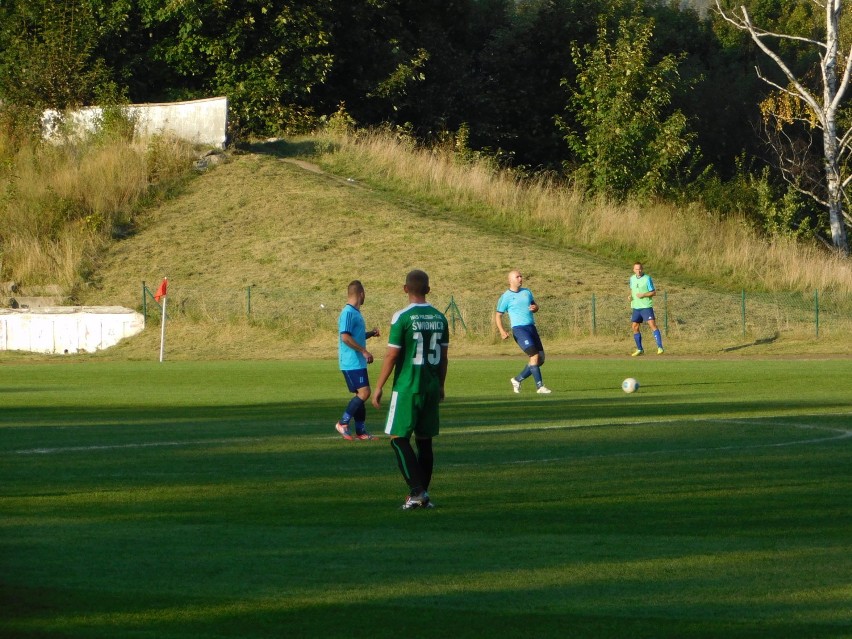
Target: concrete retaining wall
(198, 121)
(67, 329)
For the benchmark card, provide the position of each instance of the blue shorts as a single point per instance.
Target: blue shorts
(642, 315)
(527, 338)
(356, 379)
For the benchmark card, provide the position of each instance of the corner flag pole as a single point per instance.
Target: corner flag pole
(163, 331)
(162, 293)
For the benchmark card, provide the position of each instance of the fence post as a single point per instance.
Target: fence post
(144, 304)
(816, 311)
(666, 312)
(454, 312)
(594, 317)
(742, 307)
(248, 302)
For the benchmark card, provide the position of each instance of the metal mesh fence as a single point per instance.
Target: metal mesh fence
(682, 315)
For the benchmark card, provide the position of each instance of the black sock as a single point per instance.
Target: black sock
(425, 459)
(408, 465)
(360, 415)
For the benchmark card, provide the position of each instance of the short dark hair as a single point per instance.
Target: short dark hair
(417, 282)
(355, 288)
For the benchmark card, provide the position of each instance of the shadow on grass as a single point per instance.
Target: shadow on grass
(449, 615)
(297, 533)
(282, 148)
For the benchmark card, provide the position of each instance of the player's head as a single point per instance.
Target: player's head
(417, 282)
(355, 291)
(638, 269)
(515, 279)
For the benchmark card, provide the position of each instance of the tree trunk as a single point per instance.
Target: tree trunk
(835, 196)
(825, 111)
(831, 150)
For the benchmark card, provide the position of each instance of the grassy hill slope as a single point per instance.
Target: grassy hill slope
(297, 235)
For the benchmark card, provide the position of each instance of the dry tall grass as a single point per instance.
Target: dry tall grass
(60, 205)
(692, 241)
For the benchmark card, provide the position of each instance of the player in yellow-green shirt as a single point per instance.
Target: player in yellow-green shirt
(642, 294)
(417, 355)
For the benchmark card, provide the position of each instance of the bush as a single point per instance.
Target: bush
(60, 204)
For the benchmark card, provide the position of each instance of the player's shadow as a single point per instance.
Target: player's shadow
(757, 342)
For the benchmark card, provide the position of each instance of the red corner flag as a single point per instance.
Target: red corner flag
(161, 292)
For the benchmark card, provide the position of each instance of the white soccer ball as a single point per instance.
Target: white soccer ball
(322, 305)
(629, 385)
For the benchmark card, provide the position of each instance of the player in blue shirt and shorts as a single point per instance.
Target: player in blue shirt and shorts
(353, 358)
(519, 303)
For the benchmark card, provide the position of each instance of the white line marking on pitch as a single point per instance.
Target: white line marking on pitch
(841, 434)
(77, 449)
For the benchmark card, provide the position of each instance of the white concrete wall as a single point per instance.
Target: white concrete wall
(199, 121)
(67, 329)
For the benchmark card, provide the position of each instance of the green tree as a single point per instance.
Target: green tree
(48, 56)
(629, 140)
(265, 55)
(809, 77)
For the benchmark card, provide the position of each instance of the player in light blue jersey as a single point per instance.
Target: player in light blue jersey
(519, 303)
(642, 294)
(353, 358)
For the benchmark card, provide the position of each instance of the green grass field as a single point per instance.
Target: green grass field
(214, 499)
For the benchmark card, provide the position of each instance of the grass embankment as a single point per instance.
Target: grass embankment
(696, 246)
(61, 205)
(289, 236)
(280, 231)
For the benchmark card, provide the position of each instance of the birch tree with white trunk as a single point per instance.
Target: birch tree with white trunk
(834, 74)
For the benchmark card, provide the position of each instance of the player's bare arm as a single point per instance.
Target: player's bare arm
(498, 320)
(347, 339)
(387, 368)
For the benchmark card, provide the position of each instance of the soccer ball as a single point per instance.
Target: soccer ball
(629, 385)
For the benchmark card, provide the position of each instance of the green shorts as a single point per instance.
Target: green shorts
(413, 413)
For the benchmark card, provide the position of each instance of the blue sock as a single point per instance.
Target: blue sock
(658, 337)
(536, 373)
(360, 427)
(637, 337)
(355, 404)
(524, 374)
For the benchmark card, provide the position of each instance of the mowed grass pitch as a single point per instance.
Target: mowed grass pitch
(213, 499)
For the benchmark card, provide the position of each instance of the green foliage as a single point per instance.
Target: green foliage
(48, 55)
(775, 209)
(395, 85)
(489, 70)
(61, 204)
(629, 141)
(516, 92)
(265, 55)
(339, 122)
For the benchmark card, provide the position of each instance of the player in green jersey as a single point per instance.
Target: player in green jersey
(417, 355)
(642, 294)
